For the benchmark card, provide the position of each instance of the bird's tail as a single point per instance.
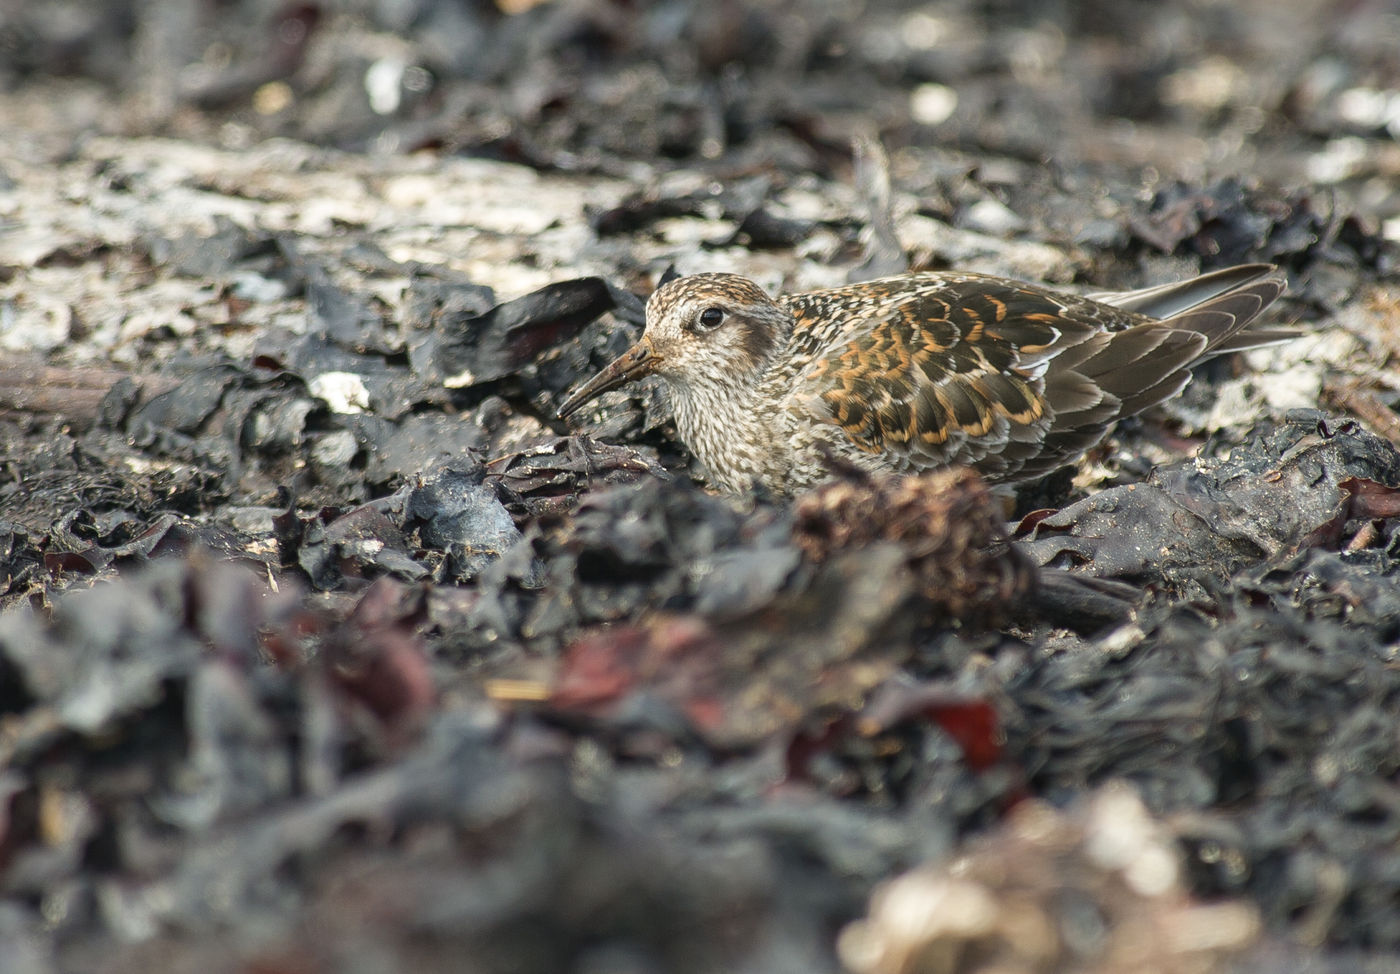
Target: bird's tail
(1219, 305)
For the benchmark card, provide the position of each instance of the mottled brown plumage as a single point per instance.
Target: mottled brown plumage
(923, 370)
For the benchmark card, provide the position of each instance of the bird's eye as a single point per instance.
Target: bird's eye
(711, 318)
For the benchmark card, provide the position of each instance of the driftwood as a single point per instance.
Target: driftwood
(71, 395)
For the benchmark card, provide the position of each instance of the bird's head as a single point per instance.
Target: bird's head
(707, 334)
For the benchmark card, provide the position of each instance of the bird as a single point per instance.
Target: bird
(923, 370)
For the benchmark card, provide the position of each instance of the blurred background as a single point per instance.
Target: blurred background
(1305, 92)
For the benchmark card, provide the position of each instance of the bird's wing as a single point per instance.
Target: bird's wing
(1165, 300)
(1007, 377)
(1218, 304)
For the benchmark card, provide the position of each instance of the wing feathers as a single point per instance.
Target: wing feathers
(1012, 378)
(1166, 300)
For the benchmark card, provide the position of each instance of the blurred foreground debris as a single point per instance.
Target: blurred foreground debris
(1096, 890)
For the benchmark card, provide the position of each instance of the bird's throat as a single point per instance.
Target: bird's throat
(736, 440)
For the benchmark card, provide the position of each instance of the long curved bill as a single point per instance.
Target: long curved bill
(639, 360)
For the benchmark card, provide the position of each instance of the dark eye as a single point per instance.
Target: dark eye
(711, 318)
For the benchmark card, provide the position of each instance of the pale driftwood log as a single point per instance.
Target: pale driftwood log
(73, 394)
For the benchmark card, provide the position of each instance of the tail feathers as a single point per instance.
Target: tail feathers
(1224, 317)
(1147, 363)
(1104, 376)
(1254, 338)
(1219, 305)
(1168, 300)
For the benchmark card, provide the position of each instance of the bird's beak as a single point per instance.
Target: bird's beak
(639, 360)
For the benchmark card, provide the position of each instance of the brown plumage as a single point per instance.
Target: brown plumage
(923, 370)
